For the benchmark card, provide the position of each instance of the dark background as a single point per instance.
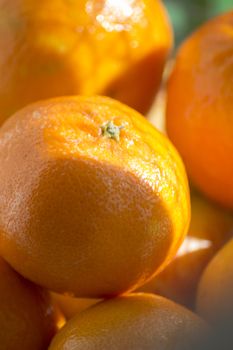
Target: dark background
(186, 15)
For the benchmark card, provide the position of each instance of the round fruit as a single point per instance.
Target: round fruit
(97, 198)
(215, 291)
(65, 47)
(200, 108)
(209, 230)
(71, 306)
(27, 319)
(135, 322)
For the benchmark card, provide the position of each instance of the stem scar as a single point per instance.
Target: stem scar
(111, 131)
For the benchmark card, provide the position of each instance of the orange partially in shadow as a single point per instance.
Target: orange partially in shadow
(101, 199)
(56, 48)
(27, 318)
(210, 228)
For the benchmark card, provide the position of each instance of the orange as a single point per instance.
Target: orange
(66, 47)
(215, 291)
(71, 306)
(27, 318)
(97, 198)
(200, 108)
(209, 230)
(134, 322)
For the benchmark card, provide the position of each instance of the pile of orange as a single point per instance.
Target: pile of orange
(96, 228)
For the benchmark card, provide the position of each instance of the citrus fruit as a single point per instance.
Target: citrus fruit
(71, 306)
(27, 318)
(200, 108)
(94, 200)
(66, 47)
(135, 322)
(210, 228)
(215, 291)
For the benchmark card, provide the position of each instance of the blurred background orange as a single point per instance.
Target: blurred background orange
(187, 15)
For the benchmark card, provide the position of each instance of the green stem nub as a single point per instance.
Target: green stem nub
(111, 131)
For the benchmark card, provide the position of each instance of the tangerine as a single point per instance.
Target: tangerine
(210, 228)
(215, 290)
(200, 108)
(135, 322)
(66, 47)
(94, 200)
(27, 318)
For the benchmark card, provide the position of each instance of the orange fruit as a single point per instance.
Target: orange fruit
(200, 108)
(65, 47)
(215, 291)
(71, 306)
(27, 318)
(209, 230)
(135, 322)
(97, 198)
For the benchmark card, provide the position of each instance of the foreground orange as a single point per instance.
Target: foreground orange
(57, 47)
(27, 319)
(138, 321)
(94, 200)
(200, 108)
(215, 291)
(209, 230)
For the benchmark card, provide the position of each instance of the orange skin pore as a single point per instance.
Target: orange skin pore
(92, 216)
(136, 321)
(27, 318)
(200, 108)
(65, 47)
(210, 228)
